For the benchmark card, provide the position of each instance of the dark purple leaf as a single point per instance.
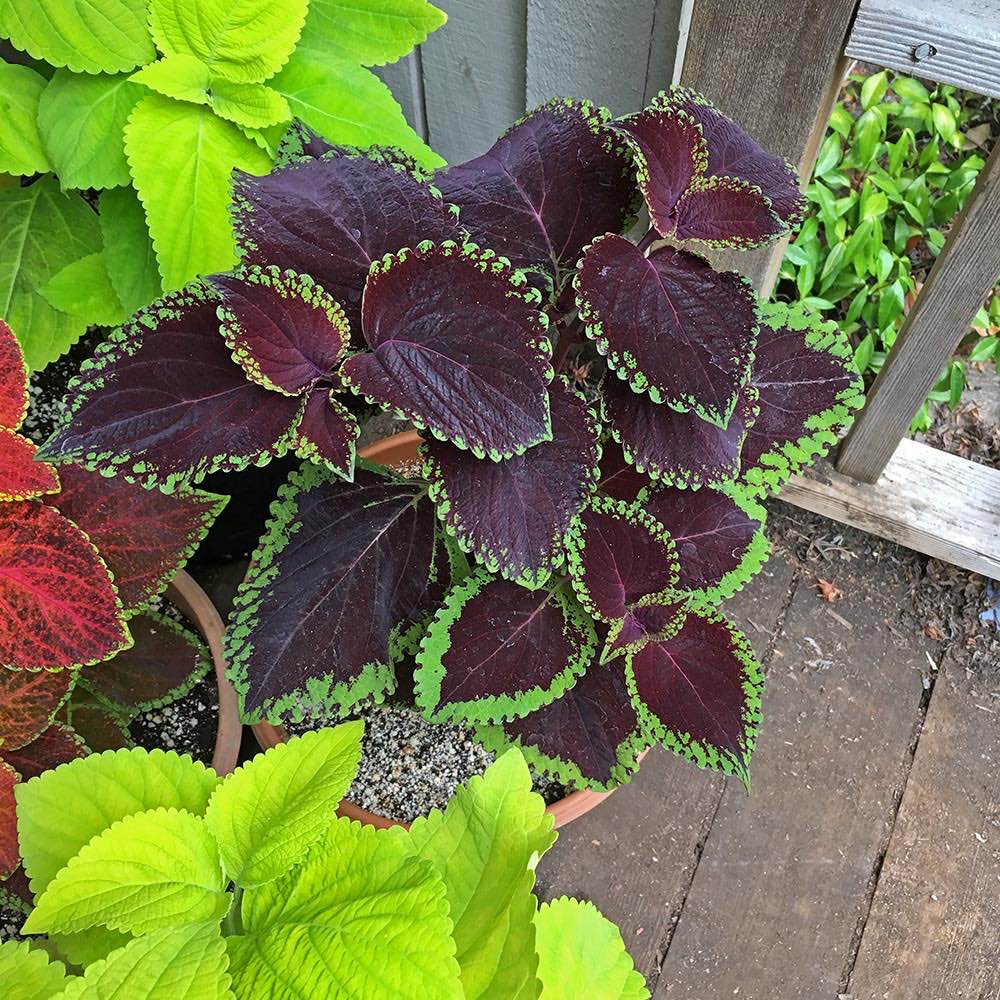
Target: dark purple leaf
(719, 537)
(327, 432)
(547, 186)
(648, 618)
(669, 324)
(589, 737)
(94, 722)
(699, 690)
(300, 142)
(162, 402)
(58, 744)
(498, 651)
(513, 514)
(617, 555)
(725, 212)
(679, 448)
(342, 569)
(457, 348)
(618, 477)
(284, 330)
(331, 218)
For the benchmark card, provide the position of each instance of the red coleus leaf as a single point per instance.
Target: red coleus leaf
(10, 855)
(332, 218)
(672, 446)
(144, 536)
(546, 187)
(55, 589)
(327, 432)
(669, 323)
(13, 380)
(29, 700)
(618, 478)
(617, 555)
(457, 348)
(497, 650)
(163, 404)
(58, 744)
(343, 568)
(21, 477)
(513, 514)
(283, 329)
(650, 617)
(698, 691)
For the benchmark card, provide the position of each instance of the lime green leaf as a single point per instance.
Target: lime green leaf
(348, 104)
(911, 91)
(88, 36)
(84, 289)
(956, 383)
(581, 954)
(868, 131)
(371, 32)
(187, 963)
(81, 119)
(269, 812)
(253, 105)
(242, 40)
(88, 946)
(21, 149)
(361, 918)
(944, 121)
(152, 870)
(42, 231)
(61, 810)
(486, 844)
(128, 250)
(873, 89)
(181, 76)
(182, 157)
(27, 973)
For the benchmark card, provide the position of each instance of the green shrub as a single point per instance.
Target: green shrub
(898, 161)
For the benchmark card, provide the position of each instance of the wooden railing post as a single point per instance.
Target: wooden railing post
(961, 278)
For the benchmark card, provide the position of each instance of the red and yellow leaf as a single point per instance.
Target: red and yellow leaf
(28, 702)
(21, 477)
(13, 380)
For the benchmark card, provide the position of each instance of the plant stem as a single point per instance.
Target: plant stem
(232, 922)
(569, 334)
(651, 237)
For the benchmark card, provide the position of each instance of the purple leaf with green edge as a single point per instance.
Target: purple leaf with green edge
(327, 433)
(162, 404)
(724, 212)
(341, 571)
(669, 324)
(808, 388)
(547, 185)
(457, 348)
(285, 332)
(617, 477)
(333, 217)
(677, 448)
(698, 691)
(498, 651)
(165, 662)
(144, 536)
(648, 618)
(97, 724)
(617, 554)
(300, 142)
(513, 514)
(588, 738)
(719, 536)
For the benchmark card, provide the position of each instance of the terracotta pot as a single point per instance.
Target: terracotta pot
(394, 451)
(190, 599)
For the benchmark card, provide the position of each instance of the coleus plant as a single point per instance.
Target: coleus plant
(565, 597)
(175, 884)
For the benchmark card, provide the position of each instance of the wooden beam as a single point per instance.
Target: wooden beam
(928, 500)
(962, 276)
(953, 42)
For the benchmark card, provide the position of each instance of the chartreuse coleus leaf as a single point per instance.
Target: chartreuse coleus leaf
(808, 387)
(22, 151)
(361, 915)
(28, 702)
(81, 118)
(669, 324)
(152, 870)
(486, 844)
(88, 36)
(43, 231)
(241, 40)
(83, 289)
(27, 972)
(128, 250)
(184, 153)
(581, 953)
(183, 963)
(271, 811)
(497, 650)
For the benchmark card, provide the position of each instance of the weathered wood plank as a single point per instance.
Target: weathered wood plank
(635, 854)
(934, 926)
(964, 37)
(770, 65)
(939, 504)
(403, 79)
(782, 884)
(963, 274)
(473, 75)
